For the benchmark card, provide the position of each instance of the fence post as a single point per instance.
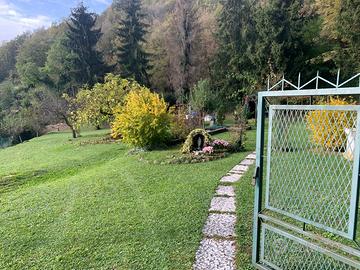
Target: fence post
(258, 176)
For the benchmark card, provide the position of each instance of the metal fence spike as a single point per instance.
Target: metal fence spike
(316, 79)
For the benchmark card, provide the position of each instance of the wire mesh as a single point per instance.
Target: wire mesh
(310, 164)
(281, 251)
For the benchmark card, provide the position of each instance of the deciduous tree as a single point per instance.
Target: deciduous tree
(61, 67)
(96, 105)
(8, 54)
(32, 57)
(183, 35)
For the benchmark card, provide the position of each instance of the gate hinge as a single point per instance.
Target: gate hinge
(256, 175)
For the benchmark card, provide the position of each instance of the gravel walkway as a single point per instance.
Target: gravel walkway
(217, 250)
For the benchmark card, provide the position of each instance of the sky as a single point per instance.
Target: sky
(18, 16)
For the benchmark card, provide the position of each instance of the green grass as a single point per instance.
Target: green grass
(65, 205)
(245, 208)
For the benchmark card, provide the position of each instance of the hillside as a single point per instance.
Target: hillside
(76, 204)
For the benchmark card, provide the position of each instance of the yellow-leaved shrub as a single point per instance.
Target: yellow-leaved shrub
(143, 120)
(327, 127)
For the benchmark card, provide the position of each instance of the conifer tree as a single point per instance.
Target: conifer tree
(279, 46)
(233, 66)
(83, 38)
(348, 52)
(133, 61)
(257, 39)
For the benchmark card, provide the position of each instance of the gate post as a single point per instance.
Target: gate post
(355, 183)
(260, 134)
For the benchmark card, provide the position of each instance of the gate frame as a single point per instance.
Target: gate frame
(336, 89)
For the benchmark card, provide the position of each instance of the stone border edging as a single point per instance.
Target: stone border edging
(217, 250)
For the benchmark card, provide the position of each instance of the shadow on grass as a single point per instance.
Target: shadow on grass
(14, 181)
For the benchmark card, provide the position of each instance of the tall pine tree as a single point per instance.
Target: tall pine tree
(257, 39)
(83, 38)
(279, 48)
(348, 52)
(232, 68)
(133, 61)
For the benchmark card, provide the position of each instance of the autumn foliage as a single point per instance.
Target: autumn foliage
(327, 127)
(96, 104)
(143, 120)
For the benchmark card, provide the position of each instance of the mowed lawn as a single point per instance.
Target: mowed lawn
(71, 205)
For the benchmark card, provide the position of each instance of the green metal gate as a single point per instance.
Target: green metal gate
(307, 179)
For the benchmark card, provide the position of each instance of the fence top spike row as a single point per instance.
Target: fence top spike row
(284, 82)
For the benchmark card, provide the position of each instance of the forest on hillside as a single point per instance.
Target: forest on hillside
(212, 52)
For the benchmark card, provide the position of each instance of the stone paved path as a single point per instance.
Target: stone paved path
(217, 250)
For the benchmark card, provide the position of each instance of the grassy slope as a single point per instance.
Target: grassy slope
(66, 206)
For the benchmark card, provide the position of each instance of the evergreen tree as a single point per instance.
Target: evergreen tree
(257, 39)
(133, 61)
(232, 68)
(83, 39)
(279, 48)
(348, 52)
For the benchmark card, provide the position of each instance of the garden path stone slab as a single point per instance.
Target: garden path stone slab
(222, 204)
(220, 225)
(247, 162)
(215, 255)
(240, 168)
(233, 178)
(216, 250)
(225, 191)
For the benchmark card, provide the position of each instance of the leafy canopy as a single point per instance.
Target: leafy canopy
(144, 120)
(97, 104)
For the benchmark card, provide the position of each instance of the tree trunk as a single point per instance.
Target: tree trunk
(73, 132)
(74, 135)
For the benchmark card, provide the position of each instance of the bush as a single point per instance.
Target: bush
(237, 140)
(328, 127)
(241, 116)
(143, 120)
(201, 97)
(219, 144)
(181, 126)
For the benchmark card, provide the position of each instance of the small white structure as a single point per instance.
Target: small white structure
(350, 143)
(208, 118)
